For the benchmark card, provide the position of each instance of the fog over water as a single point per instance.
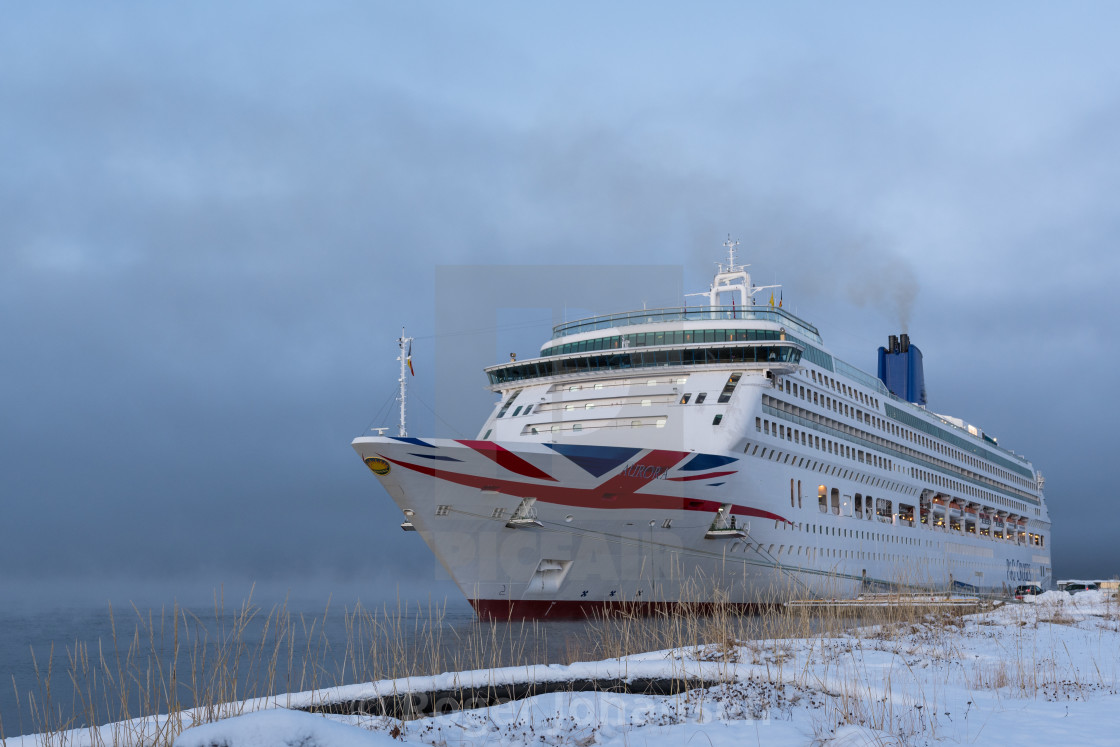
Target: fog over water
(214, 222)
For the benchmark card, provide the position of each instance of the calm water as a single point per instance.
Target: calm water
(305, 647)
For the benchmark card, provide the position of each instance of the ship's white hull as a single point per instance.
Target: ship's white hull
(548, 530)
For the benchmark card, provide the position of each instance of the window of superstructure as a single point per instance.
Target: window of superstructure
(508, 402)
(701, 397)
(729, 388)
(717, 419)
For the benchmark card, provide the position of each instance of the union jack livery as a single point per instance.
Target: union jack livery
(711, 454)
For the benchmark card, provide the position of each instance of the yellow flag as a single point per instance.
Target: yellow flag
(771, 298)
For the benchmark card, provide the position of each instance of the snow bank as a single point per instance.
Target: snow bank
(1091, 602)
(279, 728)
(1043, 672)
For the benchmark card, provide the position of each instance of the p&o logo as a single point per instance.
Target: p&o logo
(377, 465)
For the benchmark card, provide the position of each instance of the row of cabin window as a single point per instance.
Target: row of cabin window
(812, 554)
(1035, 539)
(991, 463)
(848, 391)
(831, 403)
(671, 337)
(796, 435)
(644, 359)
(850, 533)
(970, 490)
(946, 450)
(862, 508)
(901, 432)
(800, 462)
(965, 488)
(882, 507)
(827, 445)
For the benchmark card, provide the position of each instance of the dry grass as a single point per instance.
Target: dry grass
(195, 670)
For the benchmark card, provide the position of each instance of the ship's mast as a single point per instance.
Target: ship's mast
(735, 279)
(731, 246)
(402, 342)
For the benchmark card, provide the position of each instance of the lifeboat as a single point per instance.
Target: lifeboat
(985, 520)
(954, 509)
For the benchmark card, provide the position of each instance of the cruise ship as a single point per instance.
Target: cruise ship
(712, 453)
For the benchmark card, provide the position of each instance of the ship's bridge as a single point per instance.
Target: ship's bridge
(780, 355)
(772, 314)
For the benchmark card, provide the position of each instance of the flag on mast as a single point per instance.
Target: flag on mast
(781, 297)
(771, 298)
(410, 369)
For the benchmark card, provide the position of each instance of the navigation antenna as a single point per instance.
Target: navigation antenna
(405, 344)
(731, 245)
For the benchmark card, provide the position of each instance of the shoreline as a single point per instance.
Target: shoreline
(944, 677)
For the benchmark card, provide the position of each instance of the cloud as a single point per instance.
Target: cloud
(213, 225)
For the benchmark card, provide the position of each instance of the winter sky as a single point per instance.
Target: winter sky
(215, 218)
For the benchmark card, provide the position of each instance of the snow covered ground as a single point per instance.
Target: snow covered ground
(1045, 671)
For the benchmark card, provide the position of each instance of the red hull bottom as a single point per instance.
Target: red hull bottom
(504, 610)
